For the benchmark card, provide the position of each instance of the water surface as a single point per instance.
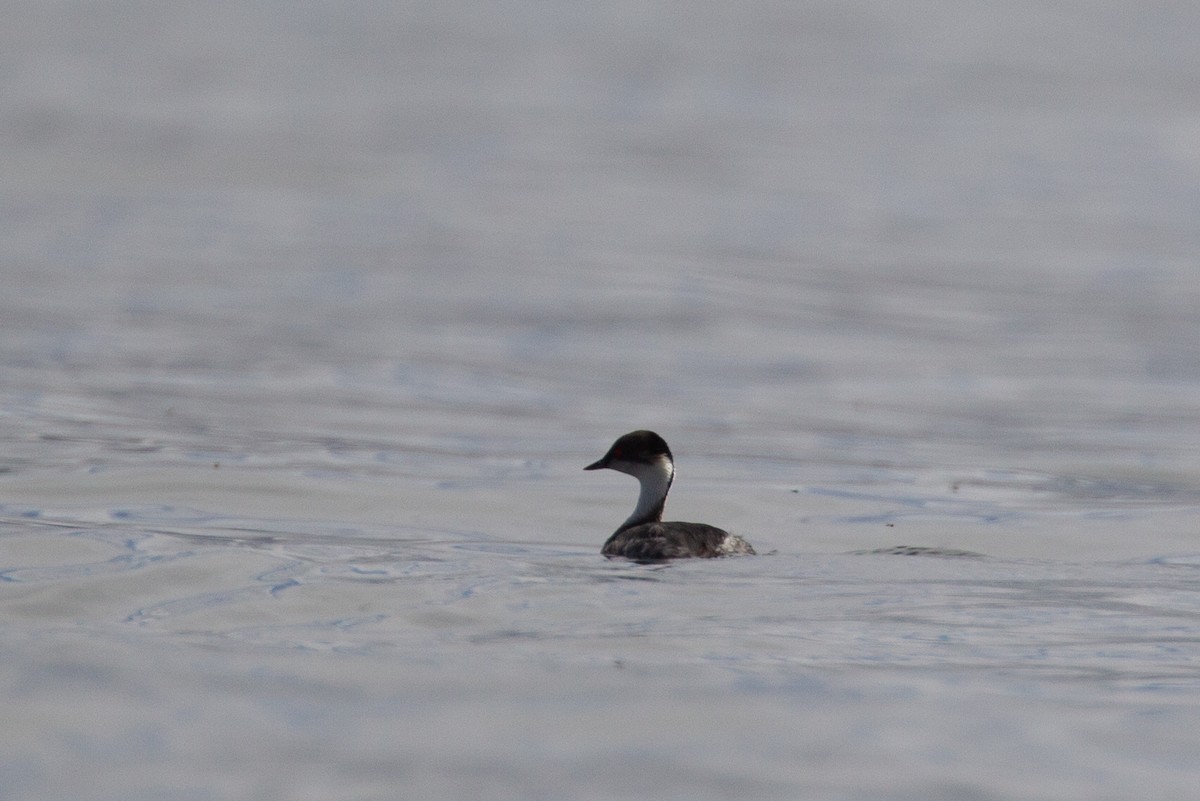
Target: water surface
(312, 315)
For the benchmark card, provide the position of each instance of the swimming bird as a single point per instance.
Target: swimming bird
(644, 537)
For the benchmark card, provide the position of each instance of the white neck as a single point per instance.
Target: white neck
(656, 481)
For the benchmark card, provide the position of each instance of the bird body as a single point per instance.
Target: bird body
(644, 536)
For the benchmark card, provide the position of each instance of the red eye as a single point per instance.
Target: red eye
(616, 454)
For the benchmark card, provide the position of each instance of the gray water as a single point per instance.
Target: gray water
(312, 313)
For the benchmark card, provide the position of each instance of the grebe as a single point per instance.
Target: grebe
(644, 537)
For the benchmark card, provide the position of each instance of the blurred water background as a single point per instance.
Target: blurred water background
(311, 314)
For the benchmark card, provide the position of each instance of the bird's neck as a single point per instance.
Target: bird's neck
(656, 481)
